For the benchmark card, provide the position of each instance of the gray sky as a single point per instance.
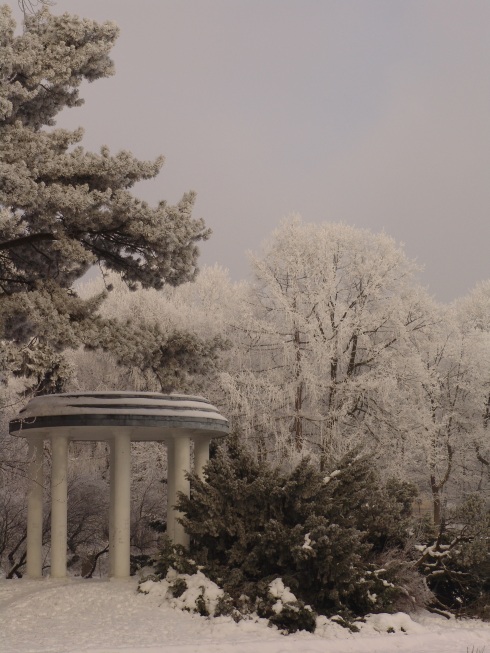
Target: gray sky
(375, 113)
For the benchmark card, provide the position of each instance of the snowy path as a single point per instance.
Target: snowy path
(108, 617)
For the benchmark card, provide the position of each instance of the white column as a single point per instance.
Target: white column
(201, 455)
(35, 508)
(171, 498)
(178, 482)
(120, 504)
(112, 464)
(59, 501)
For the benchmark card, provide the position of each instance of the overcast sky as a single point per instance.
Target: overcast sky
(375, 113)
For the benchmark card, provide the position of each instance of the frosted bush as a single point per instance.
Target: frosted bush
(189, 592)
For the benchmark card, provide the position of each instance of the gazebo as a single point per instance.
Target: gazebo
(118, 418)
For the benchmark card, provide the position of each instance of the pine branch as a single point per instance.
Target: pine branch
(25, 240)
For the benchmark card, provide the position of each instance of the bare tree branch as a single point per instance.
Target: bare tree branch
(31, 6)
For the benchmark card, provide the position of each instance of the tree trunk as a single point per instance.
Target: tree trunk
(298, 420)
(298, 399)
(436, 501)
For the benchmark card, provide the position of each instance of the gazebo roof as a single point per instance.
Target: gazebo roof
(148, 416)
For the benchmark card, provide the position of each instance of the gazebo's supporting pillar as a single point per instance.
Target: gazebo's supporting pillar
(35, 508)
(59, 504)
(112, 498)
(170, 489)
(179, 463)
(201, 455)
(120, 507)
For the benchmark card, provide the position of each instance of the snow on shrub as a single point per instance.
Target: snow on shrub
(189, 592)
(281, 593)
(284, 610)
(196, 593)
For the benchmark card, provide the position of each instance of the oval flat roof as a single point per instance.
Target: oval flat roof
(148, 416)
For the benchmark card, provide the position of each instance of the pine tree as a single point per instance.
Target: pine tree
(63, 209)
(324, 535)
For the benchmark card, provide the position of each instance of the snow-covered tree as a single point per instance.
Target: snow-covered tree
(449, 410)
(194, 317)
(473, 316)
(324, 348)
(63, 209)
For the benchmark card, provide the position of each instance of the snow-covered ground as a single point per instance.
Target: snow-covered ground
(99, 616)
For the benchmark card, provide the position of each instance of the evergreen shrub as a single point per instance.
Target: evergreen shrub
(325, 535)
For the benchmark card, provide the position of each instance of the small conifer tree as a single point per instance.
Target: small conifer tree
(323, 534)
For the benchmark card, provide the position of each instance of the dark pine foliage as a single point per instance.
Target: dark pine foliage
(323, 534)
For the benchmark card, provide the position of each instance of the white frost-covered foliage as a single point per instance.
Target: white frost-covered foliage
(473, 318)
(449, 448)
(193, 316)
(325, 347)
(206, 307)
